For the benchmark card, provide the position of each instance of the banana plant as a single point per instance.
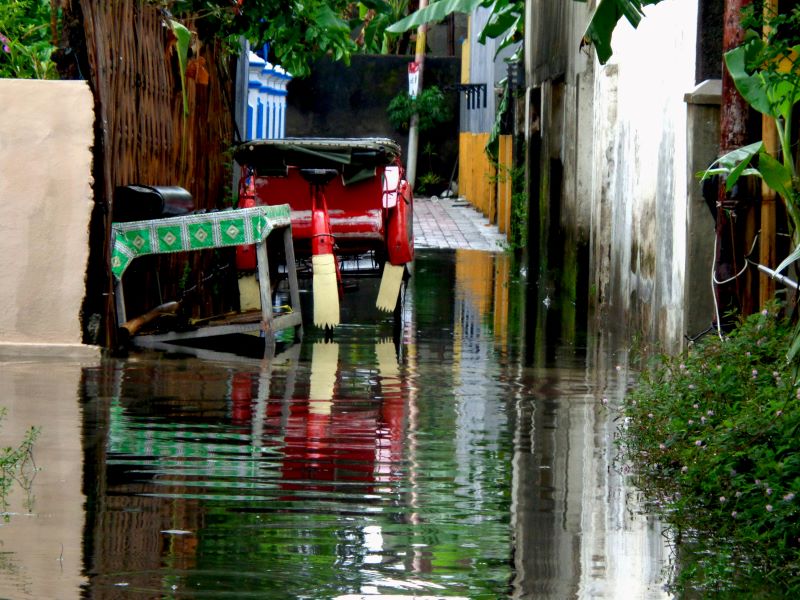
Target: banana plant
(767, 75)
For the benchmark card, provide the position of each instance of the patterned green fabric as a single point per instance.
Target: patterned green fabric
(193, 232)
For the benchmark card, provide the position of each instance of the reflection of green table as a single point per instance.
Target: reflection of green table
(207, 231)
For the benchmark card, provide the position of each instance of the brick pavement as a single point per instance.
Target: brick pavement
(453, 223)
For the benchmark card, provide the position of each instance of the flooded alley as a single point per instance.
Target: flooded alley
(452, 462)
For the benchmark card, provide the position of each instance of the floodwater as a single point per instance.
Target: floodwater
(458, 461)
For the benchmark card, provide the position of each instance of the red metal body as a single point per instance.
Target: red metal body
(368, 203)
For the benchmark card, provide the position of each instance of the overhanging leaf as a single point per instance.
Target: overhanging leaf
(753, 87)
(775, 175)
(606, 16)
(795, 347)
(500, 23)
(435, 12)
(183, 37)
(329, 20)
(795, 255)
(733, 163)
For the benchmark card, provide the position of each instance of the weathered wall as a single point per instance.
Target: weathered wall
(612, 186)
(45, 184)
(645, 234)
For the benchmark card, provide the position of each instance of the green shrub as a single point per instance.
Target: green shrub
(25, 40)
(712, 437)
(429, 106)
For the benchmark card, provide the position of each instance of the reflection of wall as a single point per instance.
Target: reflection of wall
(482, 280)
(578, 530)
(42, 551)
(45, 184)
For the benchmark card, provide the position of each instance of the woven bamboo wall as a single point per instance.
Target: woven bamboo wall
(143, 135)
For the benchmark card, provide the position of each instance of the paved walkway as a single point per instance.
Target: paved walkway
(453, 223)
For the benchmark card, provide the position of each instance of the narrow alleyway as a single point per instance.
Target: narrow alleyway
(453, 223)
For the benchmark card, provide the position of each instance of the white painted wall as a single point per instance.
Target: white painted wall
(619, 130)
(46, 137)
(639, 168)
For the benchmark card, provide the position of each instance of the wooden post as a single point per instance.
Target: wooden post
(733, 134)
(413, 133)
(767, 242)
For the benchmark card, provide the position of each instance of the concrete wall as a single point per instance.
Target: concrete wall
(46, 137)
(613, 164)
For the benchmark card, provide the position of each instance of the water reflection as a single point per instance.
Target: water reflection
(435, 466)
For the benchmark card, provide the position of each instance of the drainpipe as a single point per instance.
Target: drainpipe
(413, 135)
(733, 134)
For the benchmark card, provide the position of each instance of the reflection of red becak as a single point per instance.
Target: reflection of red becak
(241, 398)
(325, 439)
(334, 447)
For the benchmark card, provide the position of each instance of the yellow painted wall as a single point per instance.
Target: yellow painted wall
(505, 160)
(480, 183)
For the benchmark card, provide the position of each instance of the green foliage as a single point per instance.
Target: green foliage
(430, 180)
(506, 21)
(427, 183)
(15, 463)
(298, 31)
(712, 437)
(25, 40)
(429, 106)
(374, 17)
(518, 237)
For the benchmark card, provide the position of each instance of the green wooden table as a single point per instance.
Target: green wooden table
(206, 231)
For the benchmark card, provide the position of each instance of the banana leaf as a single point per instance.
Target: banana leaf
(604, 21)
